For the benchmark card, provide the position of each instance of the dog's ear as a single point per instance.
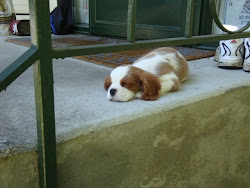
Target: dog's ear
(150, 86)
(107, 83)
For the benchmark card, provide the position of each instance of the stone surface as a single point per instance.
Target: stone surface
(204, 144)
(196, 137)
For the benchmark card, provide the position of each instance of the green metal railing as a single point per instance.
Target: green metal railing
(41, 54)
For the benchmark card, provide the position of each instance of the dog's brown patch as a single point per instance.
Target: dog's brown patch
(164, 68)
(130, 83)
(182, 72)
(147, 56)
(165, 50)
(107, 83)
(147, 83)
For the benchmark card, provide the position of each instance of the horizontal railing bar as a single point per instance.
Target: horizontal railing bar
(30, 56)
(126, 46)
(15, 69)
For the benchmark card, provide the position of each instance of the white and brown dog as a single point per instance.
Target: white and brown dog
(154, 74)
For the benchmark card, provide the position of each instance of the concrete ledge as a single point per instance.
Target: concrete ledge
(196, 137)
(204, 144)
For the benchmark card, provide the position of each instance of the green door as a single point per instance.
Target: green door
(155, 18)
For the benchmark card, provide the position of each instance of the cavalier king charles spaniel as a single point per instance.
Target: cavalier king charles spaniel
(160, 71)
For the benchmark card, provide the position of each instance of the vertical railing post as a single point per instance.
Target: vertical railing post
(189, 18)
(131, 21)
(44, 93)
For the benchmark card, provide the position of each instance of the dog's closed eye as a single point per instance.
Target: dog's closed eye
(123, 84)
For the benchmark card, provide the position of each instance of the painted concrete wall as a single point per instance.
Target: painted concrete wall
(205, 144)
(22, 6)
(237, 13)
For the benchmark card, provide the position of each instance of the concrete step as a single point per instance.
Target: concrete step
(196, 137)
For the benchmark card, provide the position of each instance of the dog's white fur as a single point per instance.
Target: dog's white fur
(154, 74)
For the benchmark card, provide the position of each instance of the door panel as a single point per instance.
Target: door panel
(155, 18)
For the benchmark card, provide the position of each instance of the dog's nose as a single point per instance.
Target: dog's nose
(113, 92)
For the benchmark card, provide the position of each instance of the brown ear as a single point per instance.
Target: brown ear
(150, 86)
(107, 83)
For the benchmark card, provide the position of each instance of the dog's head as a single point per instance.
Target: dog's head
(126, 82)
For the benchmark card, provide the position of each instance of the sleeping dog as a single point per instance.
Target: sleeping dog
(160, 71)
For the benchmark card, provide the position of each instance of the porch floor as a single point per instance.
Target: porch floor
(81, 106)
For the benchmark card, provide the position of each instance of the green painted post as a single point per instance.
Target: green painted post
(189, 19)
(92, 16)
(44, 93)
(131, 21)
